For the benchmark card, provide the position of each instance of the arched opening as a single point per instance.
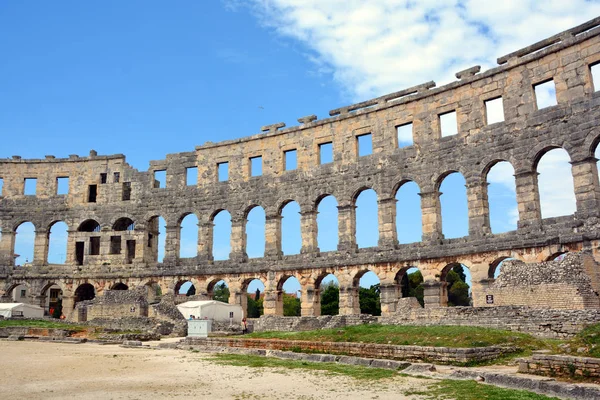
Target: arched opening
(328, 295)
(369, 297)
(255, 294)
(597, 155)
(124, 224)
(410, 280)
(502, 197)
(218, 290)
(57, 243)
(185, 289)
(157, 234)
(89, 225)
(558, 256)
(409, 224)
(52, 294)
(555, 184)
(496, 267)
(20, 293)
(458, 285)
(291, 234)
(84, 292)
(222, 235)
(327, 224)
(119, 286)
(188, 237)
(453, 200)
(367, 222)
(24, 243)
(288, 297)
(255, 232)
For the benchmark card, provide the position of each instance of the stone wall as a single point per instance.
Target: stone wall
(114, 304)
(370, 350)
(565, 366)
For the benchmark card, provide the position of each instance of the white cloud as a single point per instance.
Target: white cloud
(377, 47)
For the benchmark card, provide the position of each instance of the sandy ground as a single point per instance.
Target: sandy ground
(36, 370)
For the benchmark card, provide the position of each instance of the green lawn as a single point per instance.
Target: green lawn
(438, 336)
(471, 390)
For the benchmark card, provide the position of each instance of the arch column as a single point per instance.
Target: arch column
(347, 228)
(309, 231)
(40, 247)
(587, 187)
(68, 306)
(349, 302)
(238, 239)
(389, 296)
(478, 208)
(273, 236)
(528, 200)
(172, 243)
(71, 239)
(309, 302)
(205, 241)
(434, 294)
(386, 216)
(270, 299)
(431, 211)
(7, 247)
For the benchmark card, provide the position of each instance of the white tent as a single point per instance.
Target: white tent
(212, 309)
(8, 310)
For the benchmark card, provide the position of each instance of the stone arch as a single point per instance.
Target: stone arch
(410, 283)
(252, 300)
(83, 292)
(57, 242)
(188, 235)
(454, 204)
(500, 182)
(327, 222)
(369, 301)
(221, 235)
(293, 306)
(255, 231)
(555, 183)
(123, 224)
(216, 284)
(89, 225)
(184, 288)
(456, 291)
(156, 238)
(9, 289)
(119, 286)
(409, 218)
(494, 265)
(51, 298)
(330, 288)
(291, 242)
(366, 217)
(24, 248)
(557, 256)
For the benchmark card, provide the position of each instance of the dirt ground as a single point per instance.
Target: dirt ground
(36, 370)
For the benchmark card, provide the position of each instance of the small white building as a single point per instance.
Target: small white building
(213, 310)
(8, 310)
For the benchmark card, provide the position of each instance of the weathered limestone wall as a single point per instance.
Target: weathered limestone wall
(115, 304)
(565, 366)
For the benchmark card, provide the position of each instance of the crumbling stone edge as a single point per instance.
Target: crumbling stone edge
(545, 386)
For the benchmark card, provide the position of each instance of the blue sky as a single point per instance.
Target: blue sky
(145, 79)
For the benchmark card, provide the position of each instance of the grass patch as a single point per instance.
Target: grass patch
(437, 336)
(357, 372)
(29, 323)
(471, 390)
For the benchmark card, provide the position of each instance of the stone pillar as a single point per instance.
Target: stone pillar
(68, 307)
(238, 240)
(479, 290)
(389, 296)
(349, 304)
(273, 236)
(7, 247)
(172, 243)
(434, 294)
(528, 200)
(478, 208)
(386, 215)
(40, 301)
(587, 188)
(309, 229)
(347, 228)
(71, 240)
(40, 247)
(309, 307)
(270, 306)
(205, 241)
(431, 211)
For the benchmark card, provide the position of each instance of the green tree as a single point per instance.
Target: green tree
(412, 286)
(330, 299)
(458, 289)
(221, 292)
(369, 300)
(255, 307)
(291, 305)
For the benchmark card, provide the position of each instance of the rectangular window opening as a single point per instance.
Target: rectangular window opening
(191, 176)
(494, 110)
(103, 177)
(95, 246)
(595, 73)
(150, 239)
(126, 195)
(290, 160)
(1, 186)
(448, 124)
(405, 135)
(326, 153)
(116, 177)
(115, 245)
(545, 94)
(365, 144)
(62, 185)
(160, 179)
(256, 166)
(92, 193)
(223, 171)
(79, 246)
(30, 188)
(130, 251)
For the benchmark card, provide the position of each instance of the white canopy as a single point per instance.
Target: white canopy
(212, 309)
(8, 310)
